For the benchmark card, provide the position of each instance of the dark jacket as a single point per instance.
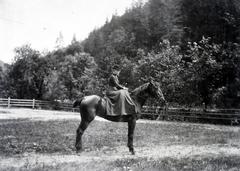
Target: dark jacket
(114, 83)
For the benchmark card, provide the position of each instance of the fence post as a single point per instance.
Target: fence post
(159, 114)
(33, 104)
(9, 102)
(204, 107)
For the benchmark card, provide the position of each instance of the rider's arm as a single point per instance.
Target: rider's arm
(116, 83)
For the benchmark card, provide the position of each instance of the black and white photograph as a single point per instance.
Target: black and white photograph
(119, 85)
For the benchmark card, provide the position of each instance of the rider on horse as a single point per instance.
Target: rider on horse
(113, 80)
(117, 106)
(118, 98)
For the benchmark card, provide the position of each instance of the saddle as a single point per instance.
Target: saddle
(118, 103)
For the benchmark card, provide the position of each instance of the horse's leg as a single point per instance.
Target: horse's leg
(87, 116)
(131, 127)
(83, 125)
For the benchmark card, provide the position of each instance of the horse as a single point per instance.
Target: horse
(92, 106)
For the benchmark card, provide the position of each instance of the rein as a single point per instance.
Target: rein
(139, 95)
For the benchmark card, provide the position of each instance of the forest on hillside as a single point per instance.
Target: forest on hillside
(192, 48)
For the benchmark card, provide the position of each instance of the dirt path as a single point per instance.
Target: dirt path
(48, 115)
(16, 113)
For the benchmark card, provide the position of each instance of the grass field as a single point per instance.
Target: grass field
(44, 140)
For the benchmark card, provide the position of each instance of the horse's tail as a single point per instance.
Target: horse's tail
(77, 103)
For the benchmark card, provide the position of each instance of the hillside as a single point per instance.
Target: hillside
(3, 65)
(148, 35)
(144, 26)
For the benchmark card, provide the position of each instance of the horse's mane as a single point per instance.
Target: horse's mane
(140, 89)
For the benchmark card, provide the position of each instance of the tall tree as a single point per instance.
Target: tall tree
(28, 72)
(59, 41)
(72, 78)
(218, 19)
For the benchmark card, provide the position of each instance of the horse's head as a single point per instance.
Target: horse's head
(155, 90)
(152, 88)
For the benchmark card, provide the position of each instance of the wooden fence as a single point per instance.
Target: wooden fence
(34, 104)
(224, 116)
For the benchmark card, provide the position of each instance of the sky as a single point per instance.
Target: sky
(39, 22)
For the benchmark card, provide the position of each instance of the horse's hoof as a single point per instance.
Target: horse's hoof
(132, 151)
(79, 150)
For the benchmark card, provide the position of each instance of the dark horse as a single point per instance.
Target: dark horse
(93, 105)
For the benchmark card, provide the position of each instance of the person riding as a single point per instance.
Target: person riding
(120, 102)
(113, 80)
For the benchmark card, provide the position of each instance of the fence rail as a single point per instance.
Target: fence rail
(229, 116)
(223, 116)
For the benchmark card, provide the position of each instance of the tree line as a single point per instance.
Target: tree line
(192, 48)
